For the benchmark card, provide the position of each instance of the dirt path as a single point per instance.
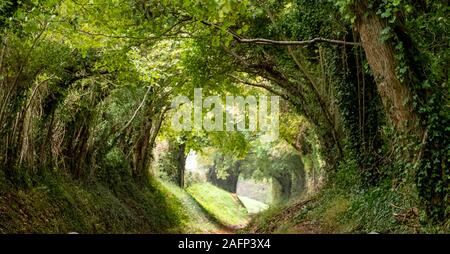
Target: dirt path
(288, 214)
(223, 229)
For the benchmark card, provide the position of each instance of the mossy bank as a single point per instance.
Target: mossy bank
(55, 203)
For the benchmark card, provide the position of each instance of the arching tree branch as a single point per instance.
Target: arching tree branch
(262, 41)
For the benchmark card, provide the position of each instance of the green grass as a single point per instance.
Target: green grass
(197, 220)
(58, 204)
(253, 206)
(343, 206)
(220, 204)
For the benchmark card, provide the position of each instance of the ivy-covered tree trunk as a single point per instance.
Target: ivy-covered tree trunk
(360, 109)
(415, 104)
(380, 55)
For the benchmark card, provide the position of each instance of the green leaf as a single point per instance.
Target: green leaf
(386, 14)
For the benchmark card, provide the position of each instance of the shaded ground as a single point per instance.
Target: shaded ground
(285, 219)
(210, 209)
(58, 204)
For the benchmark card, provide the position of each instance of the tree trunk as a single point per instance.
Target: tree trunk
(230, 183)
(282, 187)
(396, 96)
(432, 160)
(140, 153)
(181, 164)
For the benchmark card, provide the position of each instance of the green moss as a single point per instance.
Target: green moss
(253, 206)
(344, 205)
(220, 204)
(196, 220)
(59, 204)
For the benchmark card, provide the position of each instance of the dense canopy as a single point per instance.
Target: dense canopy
(87, 90)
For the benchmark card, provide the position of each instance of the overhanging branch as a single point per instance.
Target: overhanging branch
(293, 43)
(262, 41)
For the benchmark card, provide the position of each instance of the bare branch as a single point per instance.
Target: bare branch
(262, 41)
(293, 43)
(136, 111)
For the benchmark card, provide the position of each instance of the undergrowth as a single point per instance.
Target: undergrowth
(345, 206)
(51, 202)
